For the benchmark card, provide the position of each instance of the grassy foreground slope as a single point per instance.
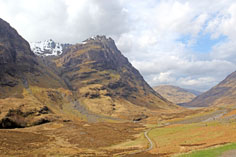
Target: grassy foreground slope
(185, 132)
(182, 138)
(212, 152)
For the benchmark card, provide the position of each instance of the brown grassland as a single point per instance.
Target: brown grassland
(171, 134)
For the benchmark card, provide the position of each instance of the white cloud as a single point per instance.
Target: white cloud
(225, 51)
(164, 77)
(200, 82)
(163, 59)
(64, 20)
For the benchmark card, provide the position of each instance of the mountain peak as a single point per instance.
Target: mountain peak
(98, 38)
(48, 48)
(102, 39)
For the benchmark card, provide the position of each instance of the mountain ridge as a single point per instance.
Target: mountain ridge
(175, 94)
(223, 94)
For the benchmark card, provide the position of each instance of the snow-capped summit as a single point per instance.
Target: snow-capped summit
(47, 48)
(52, 48)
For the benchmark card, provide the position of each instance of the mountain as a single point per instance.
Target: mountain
(48, 48)
(176, 94)
(90, 81)
(105, 81)
(223, 94)
(197, 93)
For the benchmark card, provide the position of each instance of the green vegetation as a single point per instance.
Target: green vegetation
(212, 152)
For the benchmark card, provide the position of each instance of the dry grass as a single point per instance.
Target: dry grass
(187, 137)
(66, 139)
(231, 113)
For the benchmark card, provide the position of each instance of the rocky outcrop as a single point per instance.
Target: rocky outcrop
(16, 118)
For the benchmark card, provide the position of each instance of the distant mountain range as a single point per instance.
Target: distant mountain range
(176, 94)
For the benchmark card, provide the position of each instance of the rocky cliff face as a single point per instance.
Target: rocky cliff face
(223, 94)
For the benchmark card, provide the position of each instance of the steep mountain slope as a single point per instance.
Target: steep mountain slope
(19, 66)
(223, 94)
(48, 48)
(175, 94)
(21, 74)
(105, 80)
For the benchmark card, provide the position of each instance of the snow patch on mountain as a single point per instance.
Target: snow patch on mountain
(52, 48)
(47, 48)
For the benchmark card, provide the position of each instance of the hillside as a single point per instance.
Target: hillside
(175, 94)
(223, 94)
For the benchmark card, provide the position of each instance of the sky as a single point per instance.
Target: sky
(187, 43)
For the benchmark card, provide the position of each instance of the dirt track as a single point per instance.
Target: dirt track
(149, 140)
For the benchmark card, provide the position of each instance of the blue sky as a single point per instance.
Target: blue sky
(188, 43)
(203, 44)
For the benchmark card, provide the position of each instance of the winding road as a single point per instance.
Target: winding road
(149, 140)
(151, 145)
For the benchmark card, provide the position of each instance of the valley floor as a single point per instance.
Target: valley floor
(164, 135)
